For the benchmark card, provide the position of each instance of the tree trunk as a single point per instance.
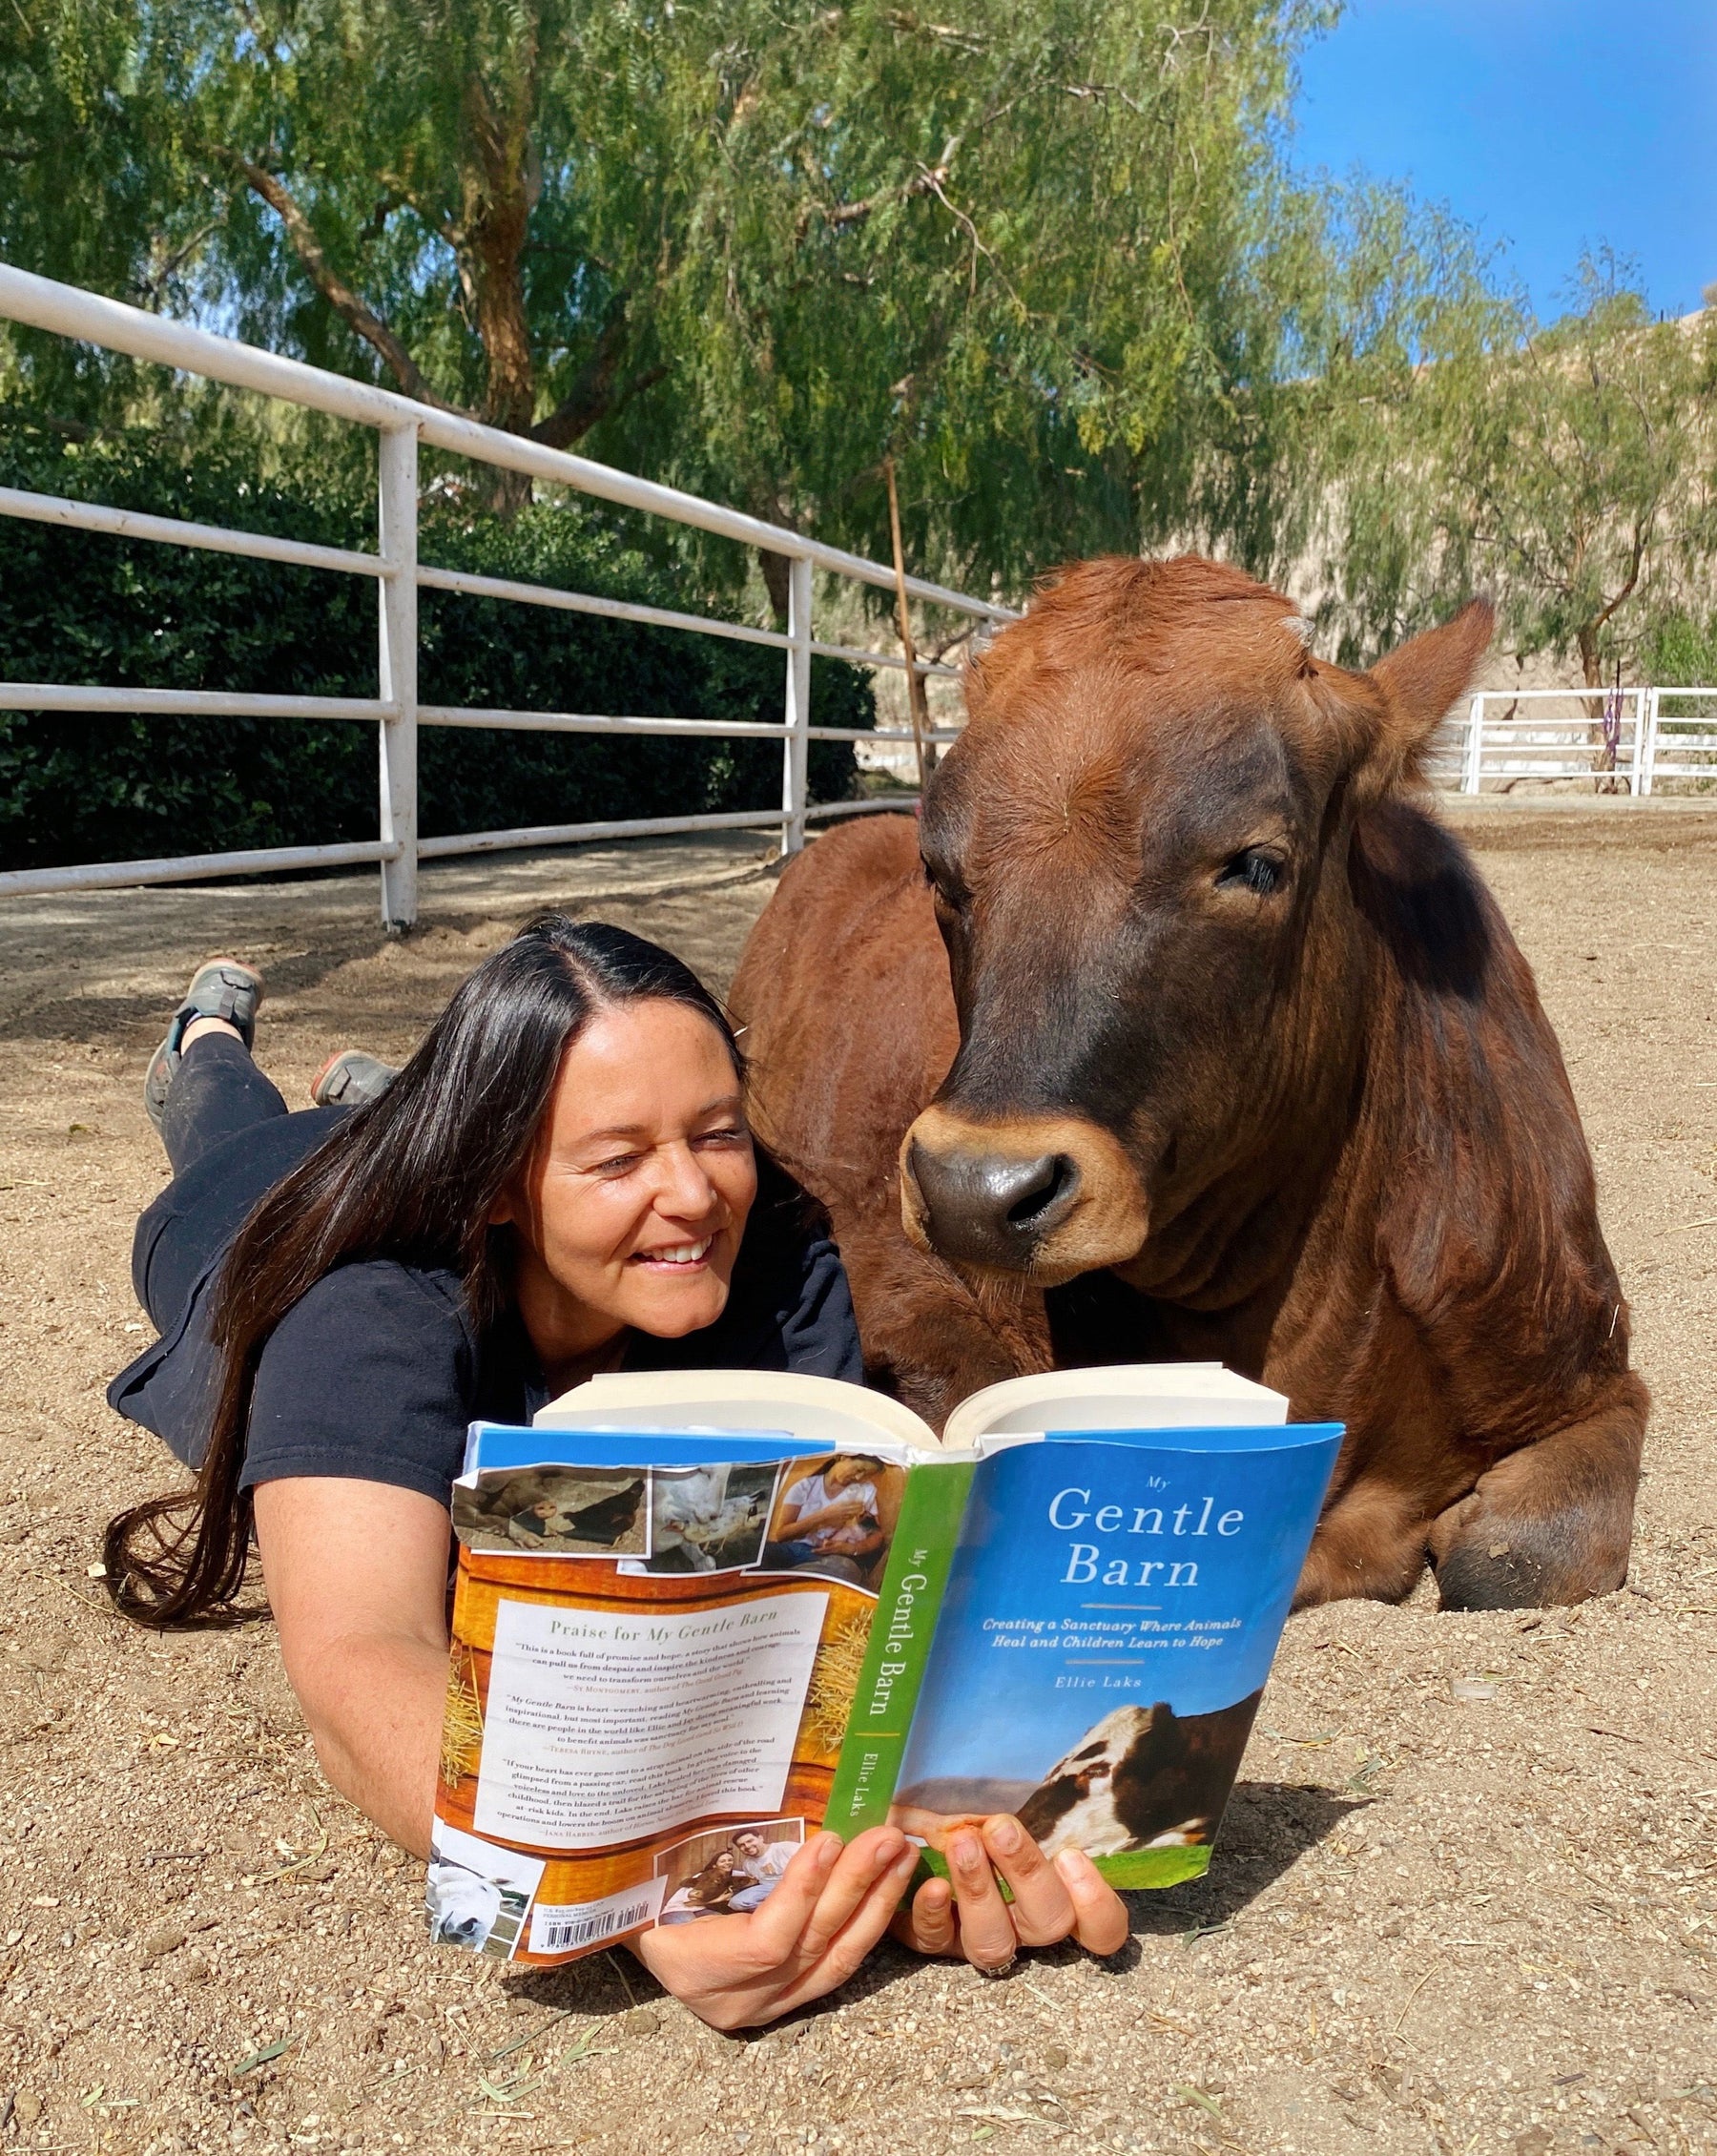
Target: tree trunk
(501, 184)
(776, 570)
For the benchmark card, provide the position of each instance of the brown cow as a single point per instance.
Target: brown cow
(1237, 1060)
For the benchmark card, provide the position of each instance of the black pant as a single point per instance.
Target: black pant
(216, 1092)
(230, 1138)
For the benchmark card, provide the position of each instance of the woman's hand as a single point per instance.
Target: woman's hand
(1051, 1901)
(841, 1512)
(830, 1908)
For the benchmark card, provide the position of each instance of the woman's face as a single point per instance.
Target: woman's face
(632, 1207)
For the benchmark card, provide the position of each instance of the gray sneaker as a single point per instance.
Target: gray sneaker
(224, 987)
(352, 1079)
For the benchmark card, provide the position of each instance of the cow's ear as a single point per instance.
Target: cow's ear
(1420, 681)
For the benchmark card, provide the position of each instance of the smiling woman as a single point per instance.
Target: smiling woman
(560, 1180)
(630, 1208)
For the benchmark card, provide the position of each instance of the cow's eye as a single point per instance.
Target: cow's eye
(1253, 869)
(946, 888)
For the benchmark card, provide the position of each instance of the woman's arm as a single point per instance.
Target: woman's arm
(838, 1512)
(357, 1575)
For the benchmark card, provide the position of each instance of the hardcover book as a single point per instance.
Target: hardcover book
(699, 1615)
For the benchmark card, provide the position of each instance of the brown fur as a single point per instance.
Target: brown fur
(1320, 1132)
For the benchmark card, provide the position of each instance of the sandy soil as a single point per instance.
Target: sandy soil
(1437, 1921)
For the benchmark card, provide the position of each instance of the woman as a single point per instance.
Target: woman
(560, 1181)
(706, 1893)
(827, 1520)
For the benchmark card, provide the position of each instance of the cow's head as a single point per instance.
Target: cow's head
(1138, 852)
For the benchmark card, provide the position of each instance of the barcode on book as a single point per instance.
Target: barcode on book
(566, 1927)
(562, 1931)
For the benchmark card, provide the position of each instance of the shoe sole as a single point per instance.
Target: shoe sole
(324, 1097)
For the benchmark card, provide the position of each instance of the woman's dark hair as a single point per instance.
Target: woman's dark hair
(412, 1176)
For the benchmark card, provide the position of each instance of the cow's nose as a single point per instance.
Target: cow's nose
(992, 1208)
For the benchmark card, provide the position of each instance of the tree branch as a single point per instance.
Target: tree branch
(1639, 538)
(593, 394)
(927, 180)
(970, 43)
(359, 319)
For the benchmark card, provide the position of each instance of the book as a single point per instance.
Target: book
(700, 1614)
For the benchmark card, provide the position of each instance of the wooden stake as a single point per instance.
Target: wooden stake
(914, 686)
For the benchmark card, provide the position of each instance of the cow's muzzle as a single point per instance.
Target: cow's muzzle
(1047, 1196)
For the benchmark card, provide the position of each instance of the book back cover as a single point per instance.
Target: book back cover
(651, 1670)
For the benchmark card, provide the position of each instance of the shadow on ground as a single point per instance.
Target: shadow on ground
(1269, 1826)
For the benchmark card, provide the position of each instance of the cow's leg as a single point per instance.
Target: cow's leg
(1549, 1523)
(1371, 1543)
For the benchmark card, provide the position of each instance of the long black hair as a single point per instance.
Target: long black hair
(412, 1176)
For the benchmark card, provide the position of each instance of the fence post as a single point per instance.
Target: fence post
(396, 521)
(795, 750)
(1648, 741)
(1473, 762)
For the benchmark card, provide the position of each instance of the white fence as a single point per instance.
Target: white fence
(1612, 741)
(1615, 740)
(399, 576)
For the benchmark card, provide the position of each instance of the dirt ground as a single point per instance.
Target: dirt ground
(1466, 1898)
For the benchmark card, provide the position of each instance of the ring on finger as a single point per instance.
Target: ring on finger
(994, 1969)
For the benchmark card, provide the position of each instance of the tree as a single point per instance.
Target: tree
(386, 187)
(1567, 468)
(1027, 252)
(1586, 459)
(753, 245)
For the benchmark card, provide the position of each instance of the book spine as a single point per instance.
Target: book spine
(897, 1653)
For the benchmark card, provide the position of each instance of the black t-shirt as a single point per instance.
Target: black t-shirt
(378, 1370)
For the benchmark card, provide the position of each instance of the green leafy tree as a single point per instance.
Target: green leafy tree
(751, 245)
(1028, 253)
(1567, 468)
(1585, 453)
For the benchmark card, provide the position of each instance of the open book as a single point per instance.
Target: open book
(700, 1614)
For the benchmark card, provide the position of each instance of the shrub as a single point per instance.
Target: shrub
(1678, 646)
(79, 608)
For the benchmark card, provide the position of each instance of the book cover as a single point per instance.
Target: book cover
(1110, 1617)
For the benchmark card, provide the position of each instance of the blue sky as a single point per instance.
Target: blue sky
(1551, 125)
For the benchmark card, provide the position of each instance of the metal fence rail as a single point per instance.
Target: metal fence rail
(401, 425)
(1623, 740)
(1620, 740)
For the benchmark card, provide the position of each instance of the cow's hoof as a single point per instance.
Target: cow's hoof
(1487, 1557)
(1524, 1567)
(1480, 1575)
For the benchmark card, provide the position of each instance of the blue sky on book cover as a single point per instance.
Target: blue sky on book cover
(1095, 1575)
